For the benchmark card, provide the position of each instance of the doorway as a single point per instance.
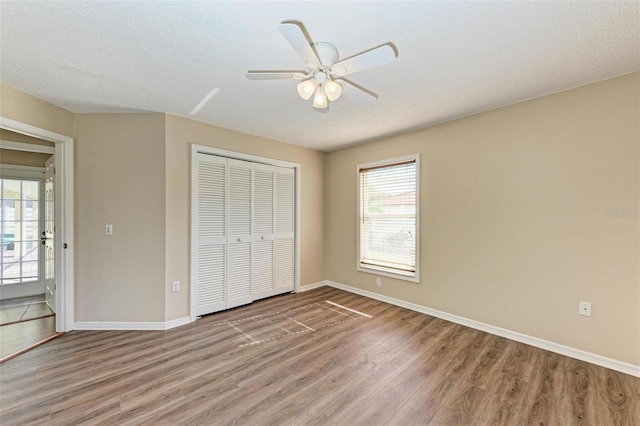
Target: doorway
(61, 245)
(26, 311)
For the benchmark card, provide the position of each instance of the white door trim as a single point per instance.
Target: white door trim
(195, 149)
(63, 216)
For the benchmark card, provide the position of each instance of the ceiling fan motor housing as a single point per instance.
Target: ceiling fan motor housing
(327, 53)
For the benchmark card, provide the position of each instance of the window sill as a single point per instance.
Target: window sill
(385, 272)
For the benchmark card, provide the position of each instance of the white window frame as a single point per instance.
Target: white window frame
(380, 270)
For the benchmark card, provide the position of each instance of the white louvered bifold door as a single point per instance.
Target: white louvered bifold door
(284, 255)
(244, 232)
(239, 233)
(263, 223)
(210, 234)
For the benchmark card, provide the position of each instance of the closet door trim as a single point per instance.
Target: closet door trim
(202, 149)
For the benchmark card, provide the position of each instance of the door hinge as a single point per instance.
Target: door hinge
(64, 245)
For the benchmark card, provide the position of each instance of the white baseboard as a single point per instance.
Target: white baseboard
(141, 325)
(311, 286)
(177, 322)
(613, 364)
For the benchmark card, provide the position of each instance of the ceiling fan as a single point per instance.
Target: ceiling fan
(325, 74)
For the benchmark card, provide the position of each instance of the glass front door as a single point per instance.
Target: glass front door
(20, 227)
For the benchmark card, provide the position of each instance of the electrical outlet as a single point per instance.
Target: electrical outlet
(585, 309)
(175, 286)
(108, 230)
(379, 282)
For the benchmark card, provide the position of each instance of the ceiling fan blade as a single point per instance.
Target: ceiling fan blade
(275, 75)
(298, 38)
(361, 93)
(371, 58)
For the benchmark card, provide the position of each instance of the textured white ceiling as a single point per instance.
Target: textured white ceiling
(454, 59)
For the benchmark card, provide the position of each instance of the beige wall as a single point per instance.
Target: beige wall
(21, 107)
(120, 175)
(180, 133)
(514, 223)
(514, 218)
(120, 180)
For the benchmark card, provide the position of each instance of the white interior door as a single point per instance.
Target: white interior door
(239, 235)
(49, 235)
(244, 232)
(284, 257)
(210, 236)
(263, 217)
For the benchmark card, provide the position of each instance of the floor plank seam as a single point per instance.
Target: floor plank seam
(264, 315)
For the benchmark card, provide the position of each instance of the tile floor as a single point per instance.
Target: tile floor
(24, 321)
(23, 309)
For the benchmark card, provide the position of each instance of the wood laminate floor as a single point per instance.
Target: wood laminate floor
(21, 335)
(297, 360)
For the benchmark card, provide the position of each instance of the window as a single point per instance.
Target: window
(388, 218)
(19, 223)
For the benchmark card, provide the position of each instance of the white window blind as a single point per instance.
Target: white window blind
(388, 216)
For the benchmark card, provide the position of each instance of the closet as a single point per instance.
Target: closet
(243, 230)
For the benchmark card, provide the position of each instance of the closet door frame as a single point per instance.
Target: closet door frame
(203, 149)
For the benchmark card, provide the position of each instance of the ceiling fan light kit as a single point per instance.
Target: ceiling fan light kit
(324, 67)
(320, 99)
(323, 89)
(306, 88)
(333, 90)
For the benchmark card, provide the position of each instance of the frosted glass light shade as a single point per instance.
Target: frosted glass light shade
(306, 88)
(332, 89)
(320, 99)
